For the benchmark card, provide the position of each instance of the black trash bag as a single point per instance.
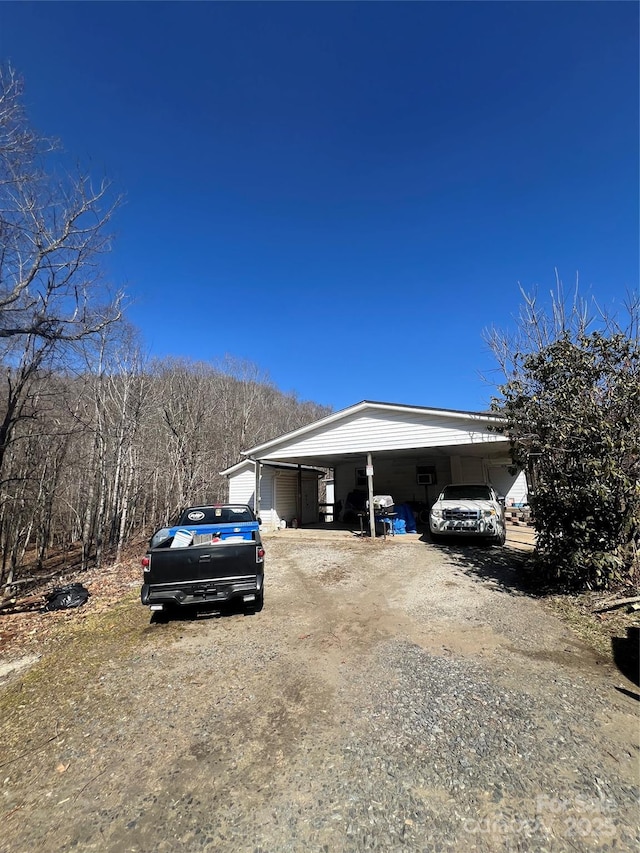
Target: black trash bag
(63, 597)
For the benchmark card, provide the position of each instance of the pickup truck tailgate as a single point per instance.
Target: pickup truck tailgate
(203, 562)
(203, 574)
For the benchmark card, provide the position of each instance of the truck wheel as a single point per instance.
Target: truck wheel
(501, 538)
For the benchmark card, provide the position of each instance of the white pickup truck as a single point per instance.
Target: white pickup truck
(472, 510)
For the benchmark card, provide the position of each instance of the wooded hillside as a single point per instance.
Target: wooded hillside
(100, 456)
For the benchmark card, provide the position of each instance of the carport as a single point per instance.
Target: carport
(408, 452)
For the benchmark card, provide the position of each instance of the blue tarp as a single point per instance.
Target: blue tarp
(405, 513)
(246, 529)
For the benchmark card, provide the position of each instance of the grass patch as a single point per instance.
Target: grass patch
(48, 697)
(598, 633)
(582, 622)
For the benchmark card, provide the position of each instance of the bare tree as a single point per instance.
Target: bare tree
(51, 231)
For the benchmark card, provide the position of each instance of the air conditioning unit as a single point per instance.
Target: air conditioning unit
(425, 479)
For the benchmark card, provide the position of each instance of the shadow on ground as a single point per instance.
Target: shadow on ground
(510, 569)
(191, 613)
(625, 651)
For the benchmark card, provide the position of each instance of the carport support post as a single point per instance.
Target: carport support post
(256, 492)
(299, 500)
(372, 517)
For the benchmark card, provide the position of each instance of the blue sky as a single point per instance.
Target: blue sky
(347, 194)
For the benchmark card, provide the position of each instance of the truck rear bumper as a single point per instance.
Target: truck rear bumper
(200, 592)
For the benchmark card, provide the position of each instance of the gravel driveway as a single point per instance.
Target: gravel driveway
(391, 696)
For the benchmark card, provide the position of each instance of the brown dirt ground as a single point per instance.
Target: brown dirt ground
(107, 726)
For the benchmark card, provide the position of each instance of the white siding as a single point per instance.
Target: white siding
(519, 492)
(383, 430)
(242, 487)
(242, 490)
(514, 488)
(267, 514)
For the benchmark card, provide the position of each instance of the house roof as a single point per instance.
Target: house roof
(289, 466)
(363, 406)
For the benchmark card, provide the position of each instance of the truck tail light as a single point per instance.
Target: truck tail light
(145, 562)
(259, 555)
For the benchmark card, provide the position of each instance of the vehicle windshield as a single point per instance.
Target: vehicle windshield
(470, 493)
(216, 515)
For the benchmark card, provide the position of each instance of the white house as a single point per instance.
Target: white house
(408, 452)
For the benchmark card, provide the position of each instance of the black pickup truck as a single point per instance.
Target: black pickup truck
(212, 555)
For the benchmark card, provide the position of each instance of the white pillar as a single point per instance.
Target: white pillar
(256, 491)
(372, 518)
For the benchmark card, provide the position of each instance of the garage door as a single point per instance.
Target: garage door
(286, 492)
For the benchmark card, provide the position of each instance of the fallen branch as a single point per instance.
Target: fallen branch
(40, 579)
(33, 579)
(620, 602)
(21, 602)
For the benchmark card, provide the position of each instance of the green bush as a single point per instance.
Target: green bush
(572, 409)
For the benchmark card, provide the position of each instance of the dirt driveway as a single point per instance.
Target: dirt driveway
(390, 696)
